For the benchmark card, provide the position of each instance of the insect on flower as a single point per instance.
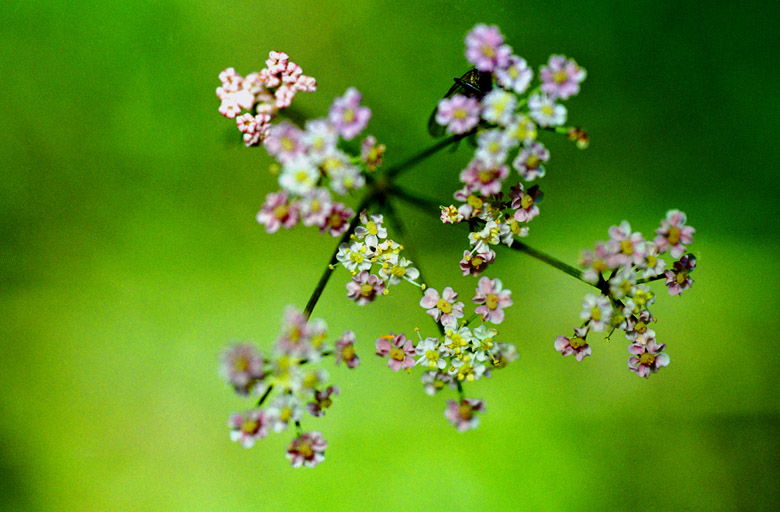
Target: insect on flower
(473, 83)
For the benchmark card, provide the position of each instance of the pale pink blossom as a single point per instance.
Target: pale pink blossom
(494, 299)
(576, 345)
(242, 367)
(561, 77)
(337, 220)
(679, 279)
(485, 48)
(364, 288)
(345, 350)
(475, 264)
(647, 356)
(249, 427)
(529, 161)
(524, 202)
(307, 450)
(545, 111)
(516, 76)
(463, 415)
(443, 309)
(597, 311)
(459, 114)
(398, 348)
(347, 116)
(278, 212)
(673, 234)
(484, 178)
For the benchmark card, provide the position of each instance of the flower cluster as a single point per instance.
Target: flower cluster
(312, 167)
(262, 93)
(463, 353)
(507, 119)
(619, 268)
(369, 251)
(300, 386)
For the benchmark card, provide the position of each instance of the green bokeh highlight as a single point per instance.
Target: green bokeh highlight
(130, 257)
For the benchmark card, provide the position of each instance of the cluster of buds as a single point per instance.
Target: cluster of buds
(462, 353)
(619, 268)
(261, 93)
(368, 248)
(506, 120)
(292, 375)
(311, 167)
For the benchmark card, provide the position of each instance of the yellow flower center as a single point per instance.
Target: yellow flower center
(532, 162)
(465, 411)
(560, 76)
(444, 306)
(366, 290)
(474, 201)
(577, 342)
(459, 114)
(397, 353)
(371, 227)
(398, 271)
(304, 448)
(547, 110)
(348, 353)
(349, 115)
(491, 300)
(595, 313)
(287, 143)
(646, 358)
(674, 235)
(249, 426)
(681, 277)
(280, 211)
(627, 247)
(526, 201)
(241, 364)
(285, 414)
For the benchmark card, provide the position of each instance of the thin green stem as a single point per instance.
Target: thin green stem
(315, 295)
(402, 233)
(426, 205)
(421, 156)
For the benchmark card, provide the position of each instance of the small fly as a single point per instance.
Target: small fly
(473, 83)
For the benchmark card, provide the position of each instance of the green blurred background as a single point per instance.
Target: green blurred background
(131, 257)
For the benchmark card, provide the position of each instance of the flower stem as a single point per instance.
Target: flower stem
(315, 295)
(421, 156)
(402, 233)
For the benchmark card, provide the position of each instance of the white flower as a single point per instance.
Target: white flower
(545, 111)
(499, 107)
(284, 410)
(596, 309)
(492, 147)
(299, 176)
(431, 354)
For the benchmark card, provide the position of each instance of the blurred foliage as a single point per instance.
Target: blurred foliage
(130, 257)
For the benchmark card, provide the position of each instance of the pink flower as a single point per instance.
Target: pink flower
(463, 415)
(347, 116)
(443, 308)
(295, 340)
(485, 48)
(434, 381)
(307, 450)
(459, 114)
(345, 350)
(242, 367)
(364, 288)
(400, 350)
(524, 202)
(285, 142)
(646, 356)
(249, 427)
(277, 212)
(338, 219)
(674, 234)
(678, 279)
(494, 298)
(631, 245)
(475, 264)
(321, 401)
(371, 153)
(529, 161)
(484, 178)
(561, 77)
(316, 207)
(516, 76)
(576, 345)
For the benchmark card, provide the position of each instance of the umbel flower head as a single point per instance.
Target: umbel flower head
(290, 373)
(619, 268)
(505, 120)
